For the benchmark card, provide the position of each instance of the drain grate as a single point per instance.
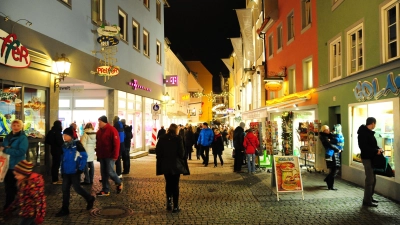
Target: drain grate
(111, 212)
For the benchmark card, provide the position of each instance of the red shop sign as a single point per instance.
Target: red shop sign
(12, 52)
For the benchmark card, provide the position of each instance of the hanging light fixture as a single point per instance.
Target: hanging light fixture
(273, 83)
(63, 66)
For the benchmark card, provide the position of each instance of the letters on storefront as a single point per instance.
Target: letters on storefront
(135, 85)
(12, 52)
(107, 70)
(366, 90)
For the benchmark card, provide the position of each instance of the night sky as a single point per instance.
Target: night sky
(199, 30)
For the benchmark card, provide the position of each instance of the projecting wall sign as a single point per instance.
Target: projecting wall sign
(171, 80)
(108, 30)
(12, 52)
(107, 70)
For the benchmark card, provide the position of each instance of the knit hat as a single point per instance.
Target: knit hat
(242, 124)
(68, 131)
(24, 167)
(324, 127)
(103, 118)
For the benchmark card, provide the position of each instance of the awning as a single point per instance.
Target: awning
(237, 48)
(246, 26)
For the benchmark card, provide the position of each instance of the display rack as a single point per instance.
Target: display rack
(308, 132)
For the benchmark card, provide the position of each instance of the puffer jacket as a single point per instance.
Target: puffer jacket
(206, 137)
(30, 200)
(250, 143)
(120, 128)
(16, 146)
(107, 143)
(170, 155)
(88, 141)
(327, 141)
(367, 142)
(74, 157)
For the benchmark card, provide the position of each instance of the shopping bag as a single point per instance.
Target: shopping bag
(4, 160)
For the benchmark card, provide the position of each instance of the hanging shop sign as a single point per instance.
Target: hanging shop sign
(108, 70)
(106, 41)
(12, 52)
(108, 30)
(135, 85)
(366, 90)
(171, 80)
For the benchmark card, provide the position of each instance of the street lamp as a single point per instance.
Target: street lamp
(166, 97)
(63, 66)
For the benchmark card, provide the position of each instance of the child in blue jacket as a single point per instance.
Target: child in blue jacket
(73, 163)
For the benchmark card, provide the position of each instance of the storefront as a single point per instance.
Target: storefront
(356, 100)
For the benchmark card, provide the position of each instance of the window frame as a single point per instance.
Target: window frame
(384, 10)
(158, 51)
(158, 11)
(137, 47)
(270, 45)
(146, 50)
(124, 30)
(350, 33)
(308, 81)
(67, 3)
(279, 31)
(146, 4)
(102, 16)
(331, 43)
(290, 27)
(306, 23)
(292, 79)
(335, 4)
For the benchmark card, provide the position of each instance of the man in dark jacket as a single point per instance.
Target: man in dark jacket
(126, 159)
(55, 140)
(369, 149)
(161, 132)
(120, 128)
(238, 138)
(107, 152)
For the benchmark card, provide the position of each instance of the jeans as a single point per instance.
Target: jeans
(10, 187)
(205, 151)
(251, 166)
(172, 187)
(118, 168)
(107, 171)
(126, 160)
(27, 221)
(89, 172)
(74, 180)
(370, 181)
(220, 159)
(56, 162)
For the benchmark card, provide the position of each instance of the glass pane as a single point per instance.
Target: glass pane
(137, 129)
(81, 117)
(121, 104)
(10, 107)
(121, 94)
(89, 103)
(130, 105)
(34, 110)
(64, 103)
(392, 33)
(392, 50)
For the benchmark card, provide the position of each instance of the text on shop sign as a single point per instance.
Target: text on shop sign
(12, 52)
(108, 70)
(134, 84)
(366, 90)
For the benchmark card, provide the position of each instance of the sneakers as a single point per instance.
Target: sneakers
(119, 188)
(62, 213)
(57, 182)
(103, 193)
(90, 203)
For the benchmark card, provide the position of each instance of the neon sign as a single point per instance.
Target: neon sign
(107, 70)
(134, 84)
(12, 52)
(366, 90)
(171, 80)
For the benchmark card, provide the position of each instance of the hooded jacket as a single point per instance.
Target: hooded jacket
(107, 143)
(327, 140)
(367, 142)
(30, 200)
(206, 137)
(16, 146)
(74, 157)
(88, 141)
(250, 143)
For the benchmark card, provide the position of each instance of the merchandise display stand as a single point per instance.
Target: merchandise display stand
(271, 144)
(308, 132)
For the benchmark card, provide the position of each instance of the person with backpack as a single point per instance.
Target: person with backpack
(120, 128)
(126, 159)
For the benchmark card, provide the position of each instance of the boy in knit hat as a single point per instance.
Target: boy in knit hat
(30, 200)
(72, 166)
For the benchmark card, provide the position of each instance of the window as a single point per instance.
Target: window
(335, 59)
(158, 57)
(355, 60)
(122, 23)
(336, 3)
(89, 103)
(292, 80)
(34, 106)
(66, 3)
(158, 11)
(290, 27)
(97, 11)
(146, 42)
(146, 3)
(307, 74)
(279, 31)
(135, 34)
(270, 46)
(305, 13)
(391, 18)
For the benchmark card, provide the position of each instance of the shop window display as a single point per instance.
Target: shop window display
(34, 112)
(137, 129)
(10, 107)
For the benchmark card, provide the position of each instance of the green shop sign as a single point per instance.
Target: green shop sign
(367, 90)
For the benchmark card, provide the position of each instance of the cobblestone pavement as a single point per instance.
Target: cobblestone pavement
(218, 196)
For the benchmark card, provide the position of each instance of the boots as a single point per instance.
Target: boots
(169, 203)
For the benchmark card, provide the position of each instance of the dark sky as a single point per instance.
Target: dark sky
(199, 31)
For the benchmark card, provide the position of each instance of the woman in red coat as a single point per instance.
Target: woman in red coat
(250, 143)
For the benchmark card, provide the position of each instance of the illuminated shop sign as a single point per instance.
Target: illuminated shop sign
(108, 30)
(12, 52)
(106, 41)
(134, 84)
(171, 80)
(366, 90)
(107, 70)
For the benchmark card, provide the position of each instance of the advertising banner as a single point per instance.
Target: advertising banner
(287, 174)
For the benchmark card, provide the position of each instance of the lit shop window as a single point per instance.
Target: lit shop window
(89, 103)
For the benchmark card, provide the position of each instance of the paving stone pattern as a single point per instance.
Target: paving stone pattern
(219, 196)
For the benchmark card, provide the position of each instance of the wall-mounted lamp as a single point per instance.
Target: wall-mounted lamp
(295, 105)
(28, 23)
(172, 101)
(166, 97)
(63, 66)
(261, 35)
(249, 80)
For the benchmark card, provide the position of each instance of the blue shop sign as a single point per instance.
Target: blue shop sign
(366, 90)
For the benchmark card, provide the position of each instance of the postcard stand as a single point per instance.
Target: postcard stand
(287, 175)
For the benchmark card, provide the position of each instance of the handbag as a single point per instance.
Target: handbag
(4, 161)
(257, 153)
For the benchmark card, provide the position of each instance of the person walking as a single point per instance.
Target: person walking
(30, 201)
(88, 141)
(230, 136)
(205, 139)
(327, 141)
(238, 139)
(121, 132)
(171, 163)
(189, 141)
(126, 158)
(14, 144)
(161, 132)
(217, 147)
(72, 166)
(224, 134)
(369, 149)
(55, 140)
(197, 146)
(107, 151)
(250, 144)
